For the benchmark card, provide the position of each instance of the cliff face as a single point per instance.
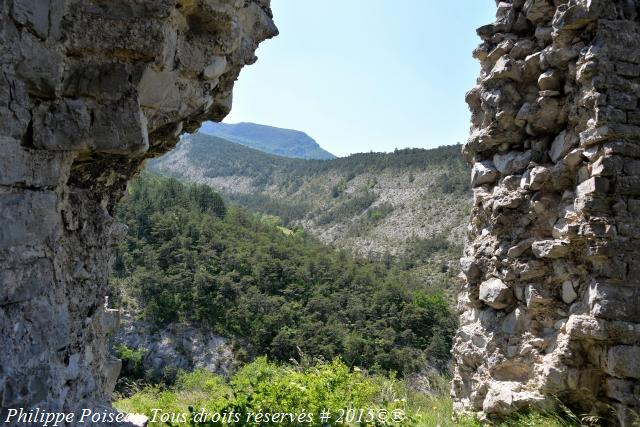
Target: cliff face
(550, 302)
(89, 89)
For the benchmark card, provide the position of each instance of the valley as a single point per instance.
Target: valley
(371, 204)
(313, 264)
(189, 259)
(166, 261)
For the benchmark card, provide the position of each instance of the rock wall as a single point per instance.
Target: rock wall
(89, 89)
(550, 307)
(175, 347)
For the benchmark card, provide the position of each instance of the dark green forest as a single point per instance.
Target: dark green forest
(190, 257)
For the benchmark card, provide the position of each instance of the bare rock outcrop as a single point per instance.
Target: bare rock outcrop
(89, 89)
(550, 305)
(175, 347)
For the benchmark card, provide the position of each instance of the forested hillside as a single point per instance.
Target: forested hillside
(372, 204)
(318, 314)
(190, 258)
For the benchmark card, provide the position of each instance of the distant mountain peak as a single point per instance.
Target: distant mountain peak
(273, 140)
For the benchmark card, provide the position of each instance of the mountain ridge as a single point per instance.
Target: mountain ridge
(269, 139)
(367, 203)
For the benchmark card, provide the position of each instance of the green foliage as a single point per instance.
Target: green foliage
(380, 212)
(131, 361)
(285, 210)
(338, 189)
(309, 388)
(266, 387)
(456, 183)
(353, 205)
(189, 259)
(424, 248)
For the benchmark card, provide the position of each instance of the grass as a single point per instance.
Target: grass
(285, 231)
(308, 388)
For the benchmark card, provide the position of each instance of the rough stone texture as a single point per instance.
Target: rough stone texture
(176, 347)
(555, 144)
(496, 294)
(89, 89)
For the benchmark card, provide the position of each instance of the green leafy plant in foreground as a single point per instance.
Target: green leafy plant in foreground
(267, 387)
(309, 388)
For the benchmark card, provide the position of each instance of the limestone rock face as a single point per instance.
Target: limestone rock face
(176, 347)
(89, 89)
(550, 308)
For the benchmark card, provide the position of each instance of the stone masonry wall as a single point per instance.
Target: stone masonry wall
(550, 309)
(88, 90)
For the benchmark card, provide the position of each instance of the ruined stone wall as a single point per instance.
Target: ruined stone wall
(88, 90)
(551, 302)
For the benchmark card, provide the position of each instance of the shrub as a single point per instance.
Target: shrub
(310, 387)
(276, 290)
(262, 386)
(132, 366)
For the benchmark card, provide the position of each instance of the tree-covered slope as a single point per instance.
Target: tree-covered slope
(269, 139)
(372, 204)
(190, 258)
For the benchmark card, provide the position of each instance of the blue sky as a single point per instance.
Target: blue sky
(363, 75)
